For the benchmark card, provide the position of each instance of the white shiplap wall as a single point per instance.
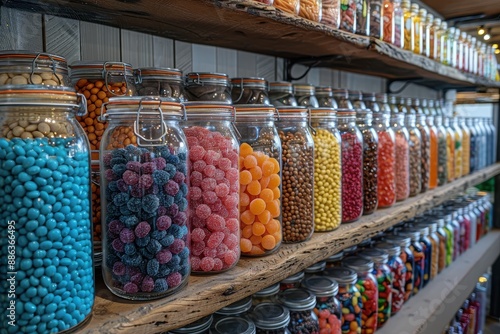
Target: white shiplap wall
(79, 40)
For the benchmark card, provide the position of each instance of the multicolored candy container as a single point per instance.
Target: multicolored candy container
(406, 256)
(398, 271)
(418, 257)
(301, 304)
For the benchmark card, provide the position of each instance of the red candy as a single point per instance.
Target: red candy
(386, 165)
(352, 178)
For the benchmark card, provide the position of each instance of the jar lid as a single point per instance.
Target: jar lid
(254, 110)
(98, 70)
(412, 234)
(197, 327)
(400, 240)
(317, 267)
(389, 248)
(355, 95)
(378, 256)
(324, 91)
(341, 275)
(358, 263)
(206, 78)
(163, 73)
(231, 325)
(250, 82)
(240, 306)
(204, 108)
(422, 229)
(269, 291)
(269, 316)
(281, 86)
(301, 89)
(372, 97)
(321, 286)
(297, 299)
(323, 112)
(350, 250)
(365, 243)
(341, 92)
(346, 113)
(336, 257)
(145, 105)
(381, 97)
(289, 111)
(298, 277)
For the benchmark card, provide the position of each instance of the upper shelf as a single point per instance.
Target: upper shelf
(206, 294)
(252, 26)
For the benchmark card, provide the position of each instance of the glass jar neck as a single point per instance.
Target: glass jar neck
(410, 120)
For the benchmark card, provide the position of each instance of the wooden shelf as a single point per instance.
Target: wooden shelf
(430, 311)
(252, 26)
(206, 294)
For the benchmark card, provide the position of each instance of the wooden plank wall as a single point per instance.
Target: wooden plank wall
(79, 40)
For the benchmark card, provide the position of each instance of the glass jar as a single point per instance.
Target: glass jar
(19, 67)
(469, 209)
(327, 170)
(335, 260)
(433, 144)
(342, 98)
(301, 303)
(473, 144)
(304, 93)
(450, 148)
(398, 272)
(328, 308)
(428, 250)
(427, 19)
(452, 47)
(408, 26)
(443, 243)
(466, 224)
(98, 81)
(486, 148)
(425, 145)
(289, 6)
(493, 134)
(418, 258)
(208, 86)
(435, 244)
(349, 297)
(239, 308)
(415, 150)
(324, 95)
(348, 15)
(260, 180)
(266, 295)
(311, 10)
(298, 174)
(145, 230)
(164, 82)
(281, 94)
(271, 318)
(367, 286)
(377, 103)
(450, 239)
(435, 36)
(481, 147)
(442, 151)
(315, 269)
(249, 91)
(460, 37)
(201, 326)
(292, 281)
(451, 218)
(331, 13)
(227, 326)
(213, 213)
(473, 56)
(490, 139)
(363, 17)
(417, 28)
(45, 201)
(352, 166)
(370, 160)
(398, 18)
(383, 276)
(350, 250)
(444, 43)
(406, 256)
(402, 157)
(376, 20)
(458, 146)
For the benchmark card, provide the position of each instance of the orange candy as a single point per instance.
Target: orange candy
(267, 195)
(257, 206)
(245, 150)
(250, 161)
(245, 177)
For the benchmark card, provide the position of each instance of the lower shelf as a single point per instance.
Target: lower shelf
(433, 308)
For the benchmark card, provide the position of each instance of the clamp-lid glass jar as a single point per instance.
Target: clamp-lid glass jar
(327, 170)
(98, 81)
(144, 199)
(207, 86)
(324, 95)
(281, 94)
(301, 303)
(158, 81)
(298, 174)
(260, 179)
(214, 186)
(305, 95)
(45, 209)
(249, 91)
(271, 318)
(21, 67)
(398, 270)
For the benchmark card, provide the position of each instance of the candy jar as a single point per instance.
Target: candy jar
(352, 166)
(331, 13)
(367, 285)
(324, 95)
(289, 6)
(458, 147)
(298, 174)
(384, 278)
(301, 304)
(418, 258)
(435, 37)
(450, 142)
(425, 144)
(213, 208)
(208, 86)
(443, 242)
(349, 297)
(398, 271)
(417, 28)
(428, 250)
(348, 15)
(327, 309)
(435, 246)
(311, 10)
(465, 147)
(402, 154)
(260, 180)
(442, 150)
(376, 20)
(227, 326)
(444, 43)
(164, 82)
(415, 148)
(426, 22)
(47, 255)
(292, 281)
(327, 170)
(249, 91)
(281, 94)
(304, 94)
(266, 295)
(144, 199)
(406, 256)
(240, 308)
(433, 144)
(271, 318)
(363, 17)
(201, 326)
(315, 269)
(408, 41)
(450, 239)
(335, 260)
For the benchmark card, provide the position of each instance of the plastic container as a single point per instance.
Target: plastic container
(311, 10)
(212, 143)
(386, 183)
(406, 256)
(398, 271)
(208, 87)
(298, 174)
(402, 156)
(327, 170)
(425, 145)
(249, 91)
(328, 308)
(348, 15)
(164, 82)
(45, 204)
(352, 166)
(144, 228)
(304, 94)
(301, 303)
(292, 281)
(281, 94)
(363, 17)
(260, 177)
(271, 318)
(266, 295)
